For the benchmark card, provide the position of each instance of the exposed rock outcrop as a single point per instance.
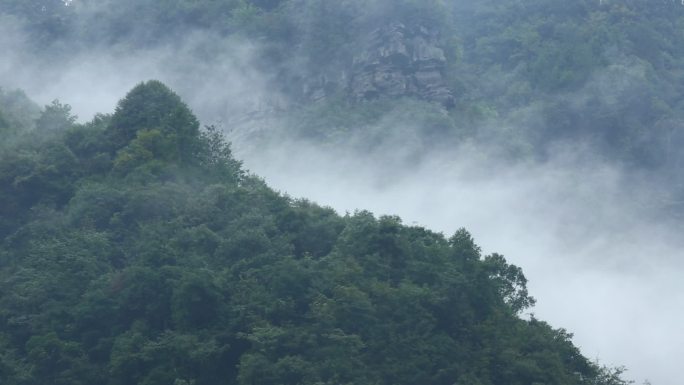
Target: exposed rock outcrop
(401, 61)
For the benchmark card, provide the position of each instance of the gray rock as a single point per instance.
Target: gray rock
(396, 61)
(399, 61)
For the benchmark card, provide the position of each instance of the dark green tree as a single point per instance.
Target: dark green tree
(55, 117)
(162, 124)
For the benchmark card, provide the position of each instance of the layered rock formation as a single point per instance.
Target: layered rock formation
(395, 61)
(401, 61)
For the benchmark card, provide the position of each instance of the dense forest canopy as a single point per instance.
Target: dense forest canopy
(135, 250)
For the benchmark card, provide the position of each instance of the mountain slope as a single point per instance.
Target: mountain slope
(157, 260)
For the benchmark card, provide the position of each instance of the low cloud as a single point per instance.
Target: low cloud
(215, 75)
(599, 263)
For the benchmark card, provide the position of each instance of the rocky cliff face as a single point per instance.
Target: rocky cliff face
(401, 61)
(395, 61)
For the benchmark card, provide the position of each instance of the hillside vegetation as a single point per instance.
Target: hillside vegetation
(520, 78)
(135, 250)
(602, 70)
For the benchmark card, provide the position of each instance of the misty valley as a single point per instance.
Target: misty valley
(447, 192)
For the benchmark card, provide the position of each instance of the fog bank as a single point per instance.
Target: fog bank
(598, 263)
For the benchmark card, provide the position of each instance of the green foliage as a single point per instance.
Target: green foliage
(511, 281)
(558, 62)
(4, 125)
(55, 117)
(150, 112)
(56, 361)
(18, 112)
(216, 157)
(434, 13)
(198, 274)
(6, 131)
(613, 376)
(245, 16)
(525, 74)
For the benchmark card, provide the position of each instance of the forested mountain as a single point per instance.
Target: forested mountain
(519, 76)
(135, 250)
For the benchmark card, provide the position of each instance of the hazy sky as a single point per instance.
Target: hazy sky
(598, 265)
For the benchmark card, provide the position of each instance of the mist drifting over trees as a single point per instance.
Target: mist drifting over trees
(550, 130)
